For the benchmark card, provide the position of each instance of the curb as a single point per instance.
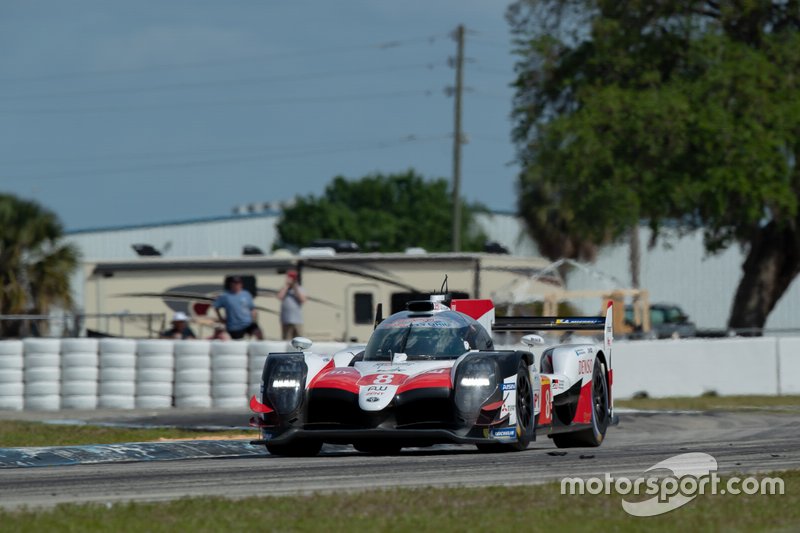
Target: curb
(125, 453)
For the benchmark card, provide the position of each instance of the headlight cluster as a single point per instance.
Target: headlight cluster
(284, 384)
(476, 381)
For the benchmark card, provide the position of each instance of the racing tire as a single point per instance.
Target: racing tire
(526, 424)
(302, 448)
(593, 436)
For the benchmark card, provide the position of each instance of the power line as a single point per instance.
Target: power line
(250, 102)
(224, 83)
(370, 145)
(385, 45)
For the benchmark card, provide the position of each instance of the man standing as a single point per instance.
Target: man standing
(240, 312)
(292, 297)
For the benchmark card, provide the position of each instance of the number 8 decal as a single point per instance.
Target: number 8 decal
(383, 379)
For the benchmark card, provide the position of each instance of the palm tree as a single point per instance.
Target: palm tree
(35, 266)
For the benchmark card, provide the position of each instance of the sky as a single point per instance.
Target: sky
(115, 112)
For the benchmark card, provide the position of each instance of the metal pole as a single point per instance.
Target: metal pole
(457, 139)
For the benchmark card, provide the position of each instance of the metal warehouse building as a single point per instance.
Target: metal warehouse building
(678, 272)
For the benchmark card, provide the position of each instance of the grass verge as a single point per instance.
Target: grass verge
(711, 402)
(14, 433)
(531, 508)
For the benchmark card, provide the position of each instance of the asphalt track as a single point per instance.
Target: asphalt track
(741, 442)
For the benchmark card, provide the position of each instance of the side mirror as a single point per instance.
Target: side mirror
(301, 343)
(532, 340)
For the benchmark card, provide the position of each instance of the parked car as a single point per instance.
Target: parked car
(666, 321)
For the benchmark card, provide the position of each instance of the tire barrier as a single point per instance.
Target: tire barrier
(11, 376)
(155, 373)
(229, 374)
(117, 376)
(79, 373)
(42, 374)
(47, 374)
(192, 374)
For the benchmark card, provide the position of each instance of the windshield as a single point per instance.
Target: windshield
(419, 337)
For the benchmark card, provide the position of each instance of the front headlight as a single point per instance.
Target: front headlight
(284, 381)
(476, 381)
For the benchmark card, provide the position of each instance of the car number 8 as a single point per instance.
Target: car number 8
(383, 379)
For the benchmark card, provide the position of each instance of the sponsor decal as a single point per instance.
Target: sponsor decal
(373, 399)
(504, 434)
(579, 321)
(509, 386)
(585, 366)
(377, 388)
(339, 372)
(580, 351)
(420, 323)
(266, 436)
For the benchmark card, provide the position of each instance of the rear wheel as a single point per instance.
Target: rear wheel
(525, 421)
(300, 448)
(593, 436)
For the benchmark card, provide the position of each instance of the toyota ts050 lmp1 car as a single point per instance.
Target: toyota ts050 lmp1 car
(431, 375)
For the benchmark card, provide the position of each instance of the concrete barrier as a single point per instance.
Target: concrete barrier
(789, 365)
(691, 367)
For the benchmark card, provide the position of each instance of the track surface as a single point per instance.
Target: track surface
(743, 442)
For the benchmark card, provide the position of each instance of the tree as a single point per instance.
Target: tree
(386, 213)
(35, 266)
(680, 113)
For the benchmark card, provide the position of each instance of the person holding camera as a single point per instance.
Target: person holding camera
(292, 297)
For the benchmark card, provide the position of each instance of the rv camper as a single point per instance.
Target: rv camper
(343, 290)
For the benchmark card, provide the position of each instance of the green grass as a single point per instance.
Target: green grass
(533, 508)
(712, 402)
(15, 433)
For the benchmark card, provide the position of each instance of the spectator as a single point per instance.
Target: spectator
(180, 328)
(292, 297)
(240, 312)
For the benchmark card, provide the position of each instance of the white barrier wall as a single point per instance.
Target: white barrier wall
(789, 365)
(11, 376)
(124, 373)
(691, 367)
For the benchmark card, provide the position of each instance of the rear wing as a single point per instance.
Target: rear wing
(554, 323)
(538, 323)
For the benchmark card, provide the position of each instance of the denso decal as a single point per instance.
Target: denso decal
(585, 366)
(340, 372)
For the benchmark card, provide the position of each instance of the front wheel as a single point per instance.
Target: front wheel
(525, 420)
(301, 448)
(593, 436)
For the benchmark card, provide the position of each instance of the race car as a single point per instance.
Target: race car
(431, 375)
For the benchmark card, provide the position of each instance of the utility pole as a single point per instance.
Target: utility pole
(457, 138)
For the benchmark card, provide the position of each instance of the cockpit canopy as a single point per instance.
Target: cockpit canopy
(423, 336)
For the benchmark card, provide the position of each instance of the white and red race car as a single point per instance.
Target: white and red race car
(431, 375)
